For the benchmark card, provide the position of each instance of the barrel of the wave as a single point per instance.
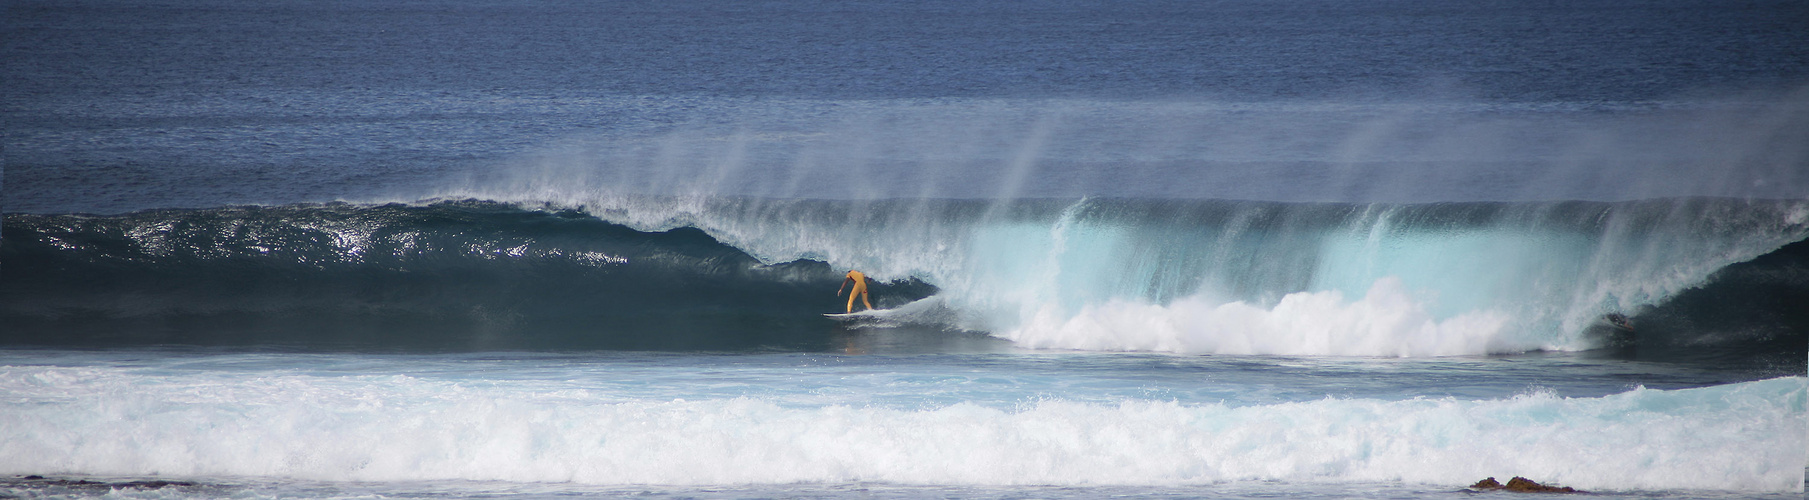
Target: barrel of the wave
(464, 275)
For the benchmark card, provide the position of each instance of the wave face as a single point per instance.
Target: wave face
(1239, 277)
(445, 276)
(339, 427)
(1228, 277)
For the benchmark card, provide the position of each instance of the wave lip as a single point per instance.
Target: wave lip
(1738, 437)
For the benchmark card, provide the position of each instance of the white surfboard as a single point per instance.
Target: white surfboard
(869, 313)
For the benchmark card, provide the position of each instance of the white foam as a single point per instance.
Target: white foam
(1745, 436)
(1386, 321)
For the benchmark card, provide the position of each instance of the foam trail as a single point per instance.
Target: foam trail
(101, 421)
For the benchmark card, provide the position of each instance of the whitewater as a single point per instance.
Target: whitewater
(787, 419)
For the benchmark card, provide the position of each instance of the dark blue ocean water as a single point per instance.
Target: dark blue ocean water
(1222, 249)
(116, 106)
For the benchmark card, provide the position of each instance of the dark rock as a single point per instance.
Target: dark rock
(151, 485)
(83, 483)
(1521, 485)
(1525, 485)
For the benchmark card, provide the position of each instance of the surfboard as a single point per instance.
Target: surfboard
(869, 313)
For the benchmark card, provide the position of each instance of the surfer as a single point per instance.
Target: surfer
(860, 288)
(1619, 320)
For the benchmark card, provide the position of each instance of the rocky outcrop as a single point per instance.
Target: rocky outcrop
(41, 481)
(1520, 485)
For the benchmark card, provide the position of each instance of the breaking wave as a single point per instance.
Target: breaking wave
(605, 272)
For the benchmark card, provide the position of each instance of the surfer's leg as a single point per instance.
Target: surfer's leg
(863, 301)
(851, 301)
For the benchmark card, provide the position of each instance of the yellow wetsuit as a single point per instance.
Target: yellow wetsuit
(860, 288)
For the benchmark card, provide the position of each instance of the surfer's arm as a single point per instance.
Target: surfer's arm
(838, 290)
